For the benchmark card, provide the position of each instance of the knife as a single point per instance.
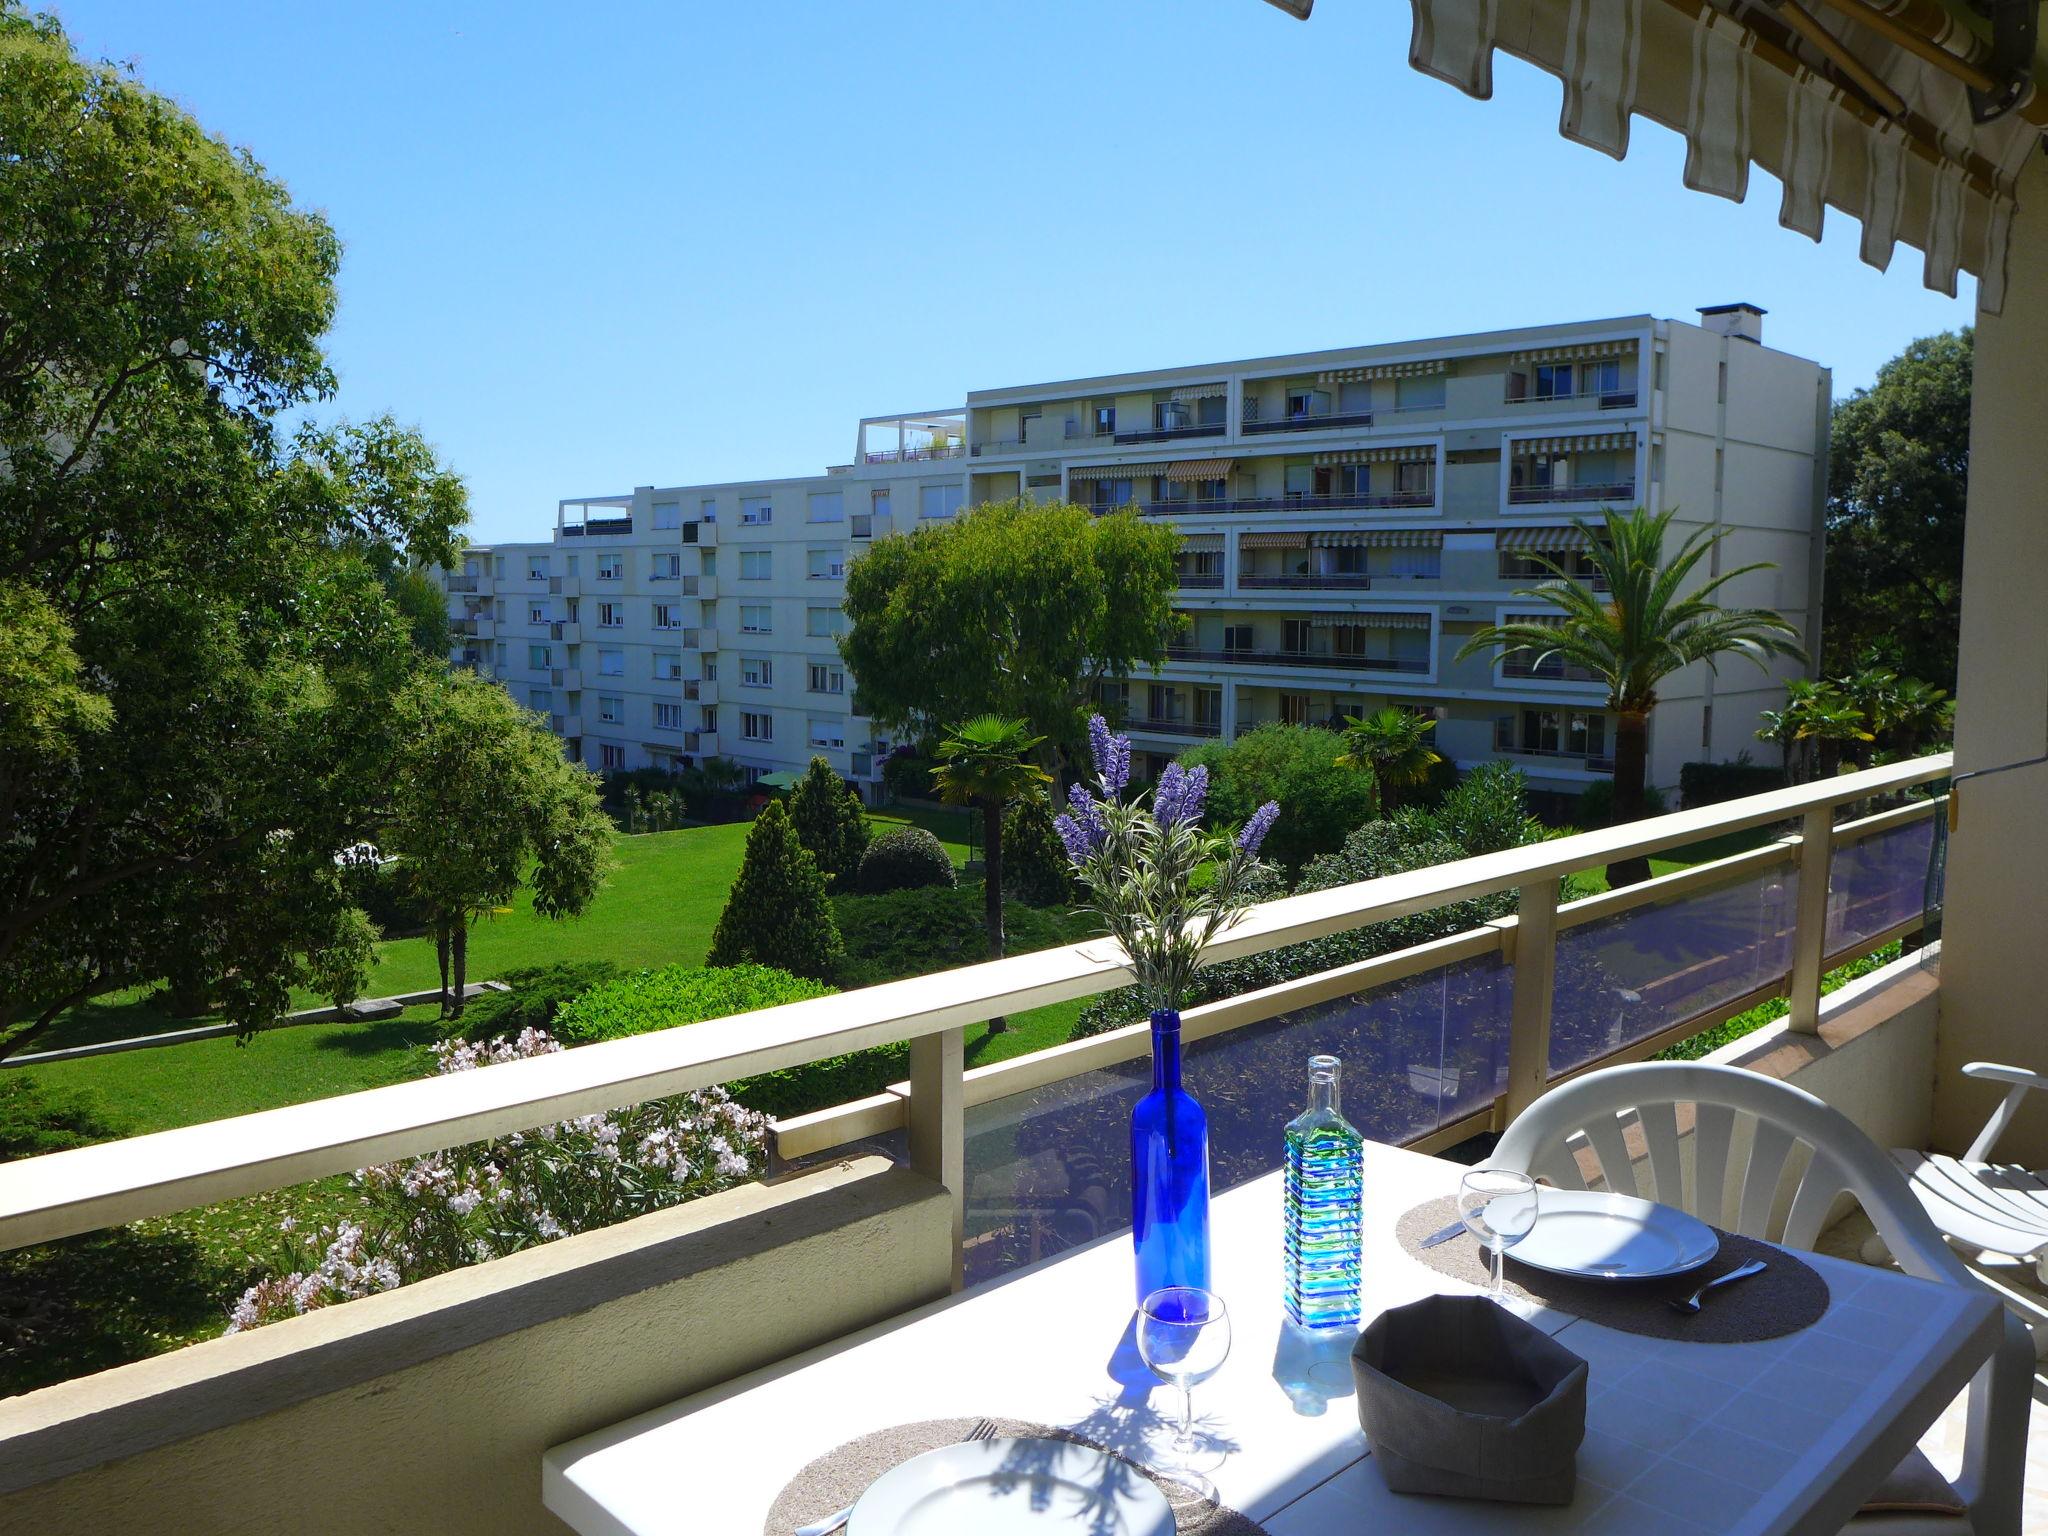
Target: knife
(1442, 1237)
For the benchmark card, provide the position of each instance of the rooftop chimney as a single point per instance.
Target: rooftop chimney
(1744, 322)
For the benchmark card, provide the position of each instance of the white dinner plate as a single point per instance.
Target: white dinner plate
(1598, 1236)
(1000, 1487)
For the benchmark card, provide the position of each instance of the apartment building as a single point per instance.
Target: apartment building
(1348, 520)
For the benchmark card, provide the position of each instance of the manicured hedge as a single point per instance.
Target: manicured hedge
(906, 859)
(676, 994)
(1711, 783)
(912, 933)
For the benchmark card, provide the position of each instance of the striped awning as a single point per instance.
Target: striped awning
(1201, 543)
(1200, 392)
(1584, 351)
(1580, 442)
(1109, 471)
(1383, 371)
(1184, 470)
(1369, 621)
(1411, 453)
(1541, 539)
(1272, 541)
(1380, 538)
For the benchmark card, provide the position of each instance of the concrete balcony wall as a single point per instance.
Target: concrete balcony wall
(426, 1409)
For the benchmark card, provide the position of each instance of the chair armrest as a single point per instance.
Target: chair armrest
(2019, 1077)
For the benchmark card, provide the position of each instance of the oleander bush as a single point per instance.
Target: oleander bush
(907, 859)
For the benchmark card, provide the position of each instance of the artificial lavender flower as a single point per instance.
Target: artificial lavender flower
(1082, 834)
(1181, 795)
(1112, 755)
(1255, 830)
(1074, 837)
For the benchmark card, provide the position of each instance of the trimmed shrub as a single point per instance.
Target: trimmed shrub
(911, 933)
(674, 995)
(1320, 800)
(907, 859)
(830, 821)
(538, 995)
(777, 914)
(1035, 864)
(1596, 804)
(1711, 783)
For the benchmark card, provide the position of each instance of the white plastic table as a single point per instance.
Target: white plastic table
(1788, 1435)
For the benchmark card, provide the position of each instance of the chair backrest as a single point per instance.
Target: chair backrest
(1842, 1159)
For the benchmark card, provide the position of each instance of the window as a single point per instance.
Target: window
(1343, 480)
(1294, 635)
(537, 613)
(1515, 566)
(667, 616)
(499, 652)
(1414, 477)
(611, 615)
(1105, 420)
(757, 672)
(498, 567)
(826, 733)
(757, 727)
(1209, 708)
(539, 699)
(1294, 708)
(668, 666)
(823, 621)
(824, 565)
(536, 567)
(668, 717)
(611, 663)
(756, 509)
(666, 568)
(610, 567)
(1604, 377)
(711, 718)
(708, 562)
(668, 514)
(1419, 394)
(610, 755)
(539, 657)
(1562, 732)
(878, 503)
(1553, 381)
(754, 619)
(1237, 637)
(609, 707)
(757, 564)
(1114, 699)
(860, 526)
(710, 668)
(828, 506)
(1104, 494)
(1165, 702)
(938, 500)
(826, 679)
(1026, 420)
(1298, 480)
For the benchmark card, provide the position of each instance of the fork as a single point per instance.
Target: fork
(985, 1429)
(1690, 1304)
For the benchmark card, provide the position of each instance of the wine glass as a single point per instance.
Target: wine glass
(1183, 1338)
(1498, 1206)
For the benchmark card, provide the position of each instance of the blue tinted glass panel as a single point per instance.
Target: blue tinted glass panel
(1877, 883)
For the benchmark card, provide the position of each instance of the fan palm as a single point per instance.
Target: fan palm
(1817, 720)
(1637, 632)
(986, 762)
(1393, 745)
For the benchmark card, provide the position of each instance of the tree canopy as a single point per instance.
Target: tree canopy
(1302, 769)
(1015, 609)
(1898, 479)
(202, 649)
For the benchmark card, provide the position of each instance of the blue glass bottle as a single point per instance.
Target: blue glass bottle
(1169, 1172)
(1325, 1185)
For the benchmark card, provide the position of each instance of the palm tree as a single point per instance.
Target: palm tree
(986, 762)
(1817, 720)
(1631, 628)
(1393, 745)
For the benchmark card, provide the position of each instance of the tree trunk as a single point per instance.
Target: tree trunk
(1631, 773)
(1390, 800)
(992, 888)
(1829, 753)
(460, 944)
(441, 956)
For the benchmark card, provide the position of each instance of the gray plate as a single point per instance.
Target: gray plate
(1597, 1236)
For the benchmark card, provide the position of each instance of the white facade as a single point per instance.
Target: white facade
(1350, 518)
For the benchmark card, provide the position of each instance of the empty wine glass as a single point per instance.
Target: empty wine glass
(1184, 1338)
(1498, 1206)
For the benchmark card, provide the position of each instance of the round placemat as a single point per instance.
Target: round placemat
(1786, 1297)
(839, 1477)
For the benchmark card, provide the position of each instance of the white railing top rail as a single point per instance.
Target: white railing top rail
(65, 1193)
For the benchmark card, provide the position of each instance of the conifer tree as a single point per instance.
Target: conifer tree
(830, 821)
(777, 913)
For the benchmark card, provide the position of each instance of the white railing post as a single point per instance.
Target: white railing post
(938, 1124)
(1810, 931)
(1535, 961)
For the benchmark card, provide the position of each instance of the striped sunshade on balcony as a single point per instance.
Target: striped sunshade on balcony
(1272, 541)
(1201, 543)
(1184, 470)
(1583, 442)
(1200, 392)
(1541, 539)
(1380, 538)
(1111, 471)
(1413, 453)
(1383, 371)
(1572, 354)
(1369, 621)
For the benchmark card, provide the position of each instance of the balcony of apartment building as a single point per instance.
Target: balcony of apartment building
(1350, 641)
(467, 582)
(1179, 711)
(570, 678)
(1176, 415)
(475, 626)
(702, 638)
(1271, 406)
(1580, 471)
(700, 690)
(1393, 479)
(926, 437)
(569, 727)
(1343, 560)
(1597, 376)
(595, 517)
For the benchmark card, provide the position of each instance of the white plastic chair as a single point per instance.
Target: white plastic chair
(1978, 1204)
(1842, 1160)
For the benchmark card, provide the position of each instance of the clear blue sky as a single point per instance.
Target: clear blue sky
(599, 245)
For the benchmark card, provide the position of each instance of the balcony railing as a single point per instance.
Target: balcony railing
(463, 583)
(1309, 421)
(1255, 658)
(1168, 727)
(951, 450)
(1497, 1014)
(1192, 580)
(1523, 666)
(1616, 490)
(1392, 501)
(1171, 434)
(1351, 581)
(1607, 399)
(598, 527)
